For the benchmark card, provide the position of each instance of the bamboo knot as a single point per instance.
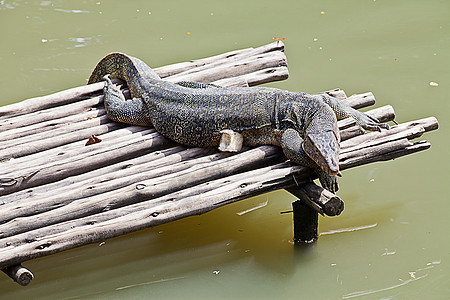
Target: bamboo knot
(140, 186)
(43, 246)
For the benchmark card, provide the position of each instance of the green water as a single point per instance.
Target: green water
(392, 240)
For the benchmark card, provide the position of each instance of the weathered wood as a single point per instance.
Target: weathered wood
(104, 180)
(255, 78)
(22, 178)
(319, 199)
(358, 101)
(51, 138)
(81, 163)
(375, 152)
(56, 99)
(215, 68)
(217, 60)
(372, 155)
(213, 192)
(19, 274)
(306, 221)
(74, 151)
(246, 66)
(57, 195)
(348, 152)
(384, 152)
(137, 188)
(12, 120)
(165, 209)
(156, 159)
(58, 135)
(35, 128)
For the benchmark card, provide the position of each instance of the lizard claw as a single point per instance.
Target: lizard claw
(369, 123)
(328, 182)
(110, 86)
(108, 80)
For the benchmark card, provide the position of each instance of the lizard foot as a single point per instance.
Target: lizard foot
(369, 123)
(112, 90)
(230, 141)
(328, 182)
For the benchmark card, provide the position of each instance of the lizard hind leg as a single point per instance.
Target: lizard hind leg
(119, 109)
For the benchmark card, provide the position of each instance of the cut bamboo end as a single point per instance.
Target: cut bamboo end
(19, 274)
(57, 194)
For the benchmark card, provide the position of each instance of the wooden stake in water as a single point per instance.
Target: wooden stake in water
(306, 221)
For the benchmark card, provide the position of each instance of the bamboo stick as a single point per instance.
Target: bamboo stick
(319, 199)
(87, 163)
(19, 274)
(214, 61)
(75, 151)
(375, 153)
(385, 152)
(52, 142)
(255, 78)
(211, 186)
(157, 159)
(238, 68)
(86, 194)
(144, 189)
(152, 212)
(41, 115)
(53, 134)
(48, 125)
(412, 129)
(56, 99)
(76, 94)
(167, 208)
(91, 186)
(360, 100)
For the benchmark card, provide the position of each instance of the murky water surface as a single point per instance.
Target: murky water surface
(392, 240)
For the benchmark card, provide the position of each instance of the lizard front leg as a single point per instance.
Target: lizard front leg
(119, 109)
(343, 111)
(292, 145)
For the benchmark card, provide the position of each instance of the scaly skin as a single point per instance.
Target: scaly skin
(194, 114)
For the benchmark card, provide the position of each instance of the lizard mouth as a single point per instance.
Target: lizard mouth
(323, 149)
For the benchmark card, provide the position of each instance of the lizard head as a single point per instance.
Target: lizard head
(323, 149)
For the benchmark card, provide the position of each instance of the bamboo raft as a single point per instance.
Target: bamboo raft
(69, 177)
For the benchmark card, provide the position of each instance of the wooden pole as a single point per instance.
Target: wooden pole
(319, 199)
(312, 201)
(19, 274)
(306, 221)
(248, 62)
(125, 183)
(118, 197)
